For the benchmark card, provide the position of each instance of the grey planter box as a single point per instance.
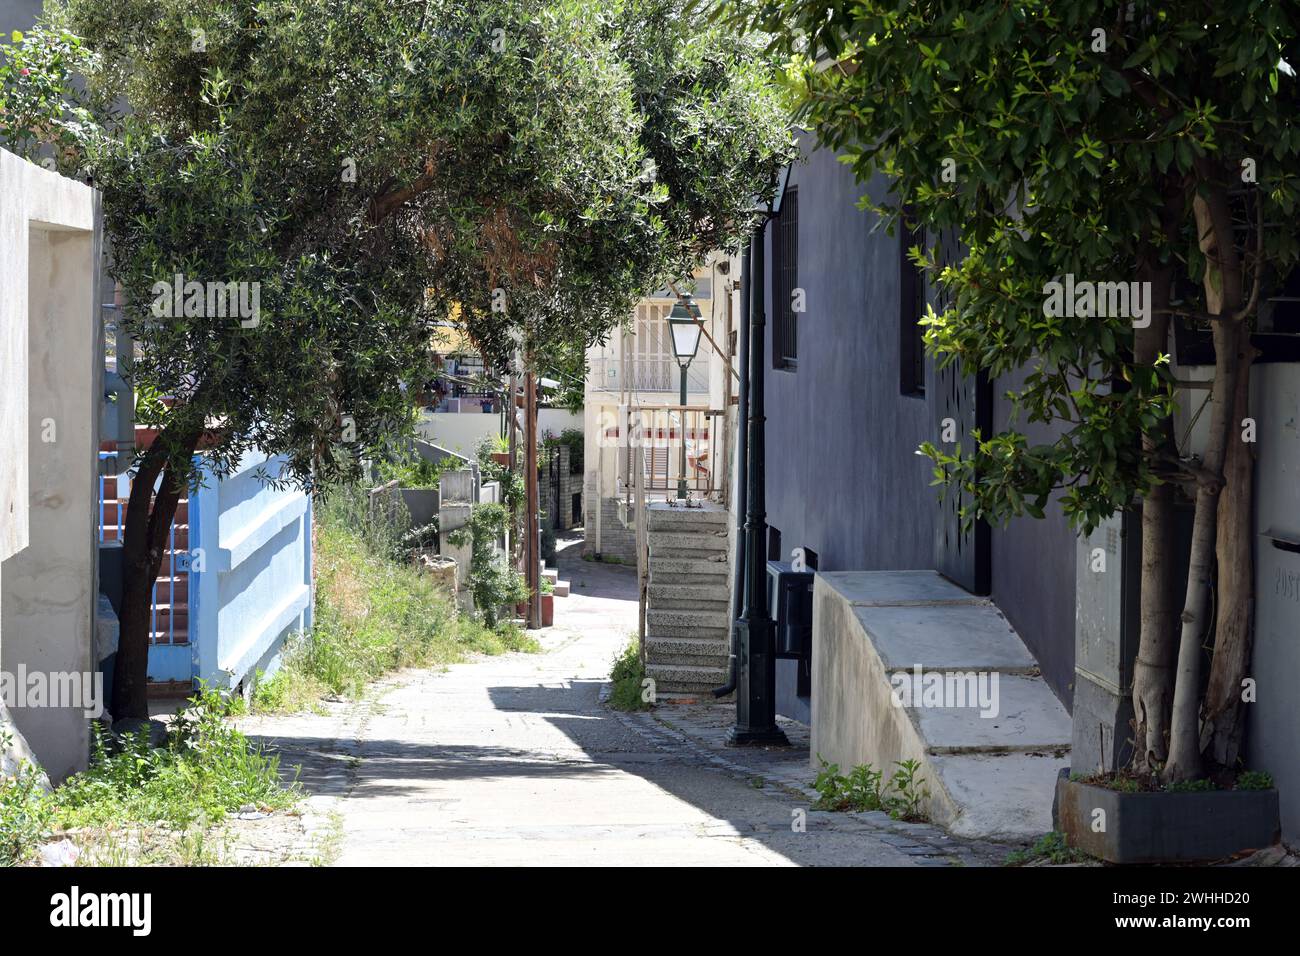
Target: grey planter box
(1166, 827)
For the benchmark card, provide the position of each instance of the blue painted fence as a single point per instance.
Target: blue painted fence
(236, 580)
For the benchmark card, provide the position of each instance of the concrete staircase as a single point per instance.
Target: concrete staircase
(688, 615)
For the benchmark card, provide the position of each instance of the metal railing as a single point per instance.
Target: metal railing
(649, 375)
(660, 430)
(170, 618)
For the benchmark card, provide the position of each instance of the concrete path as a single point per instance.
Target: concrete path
(515, 760)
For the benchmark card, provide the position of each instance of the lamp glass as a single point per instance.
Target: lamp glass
(685, 332)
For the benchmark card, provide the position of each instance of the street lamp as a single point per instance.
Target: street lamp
(755, 630)
(685, 327)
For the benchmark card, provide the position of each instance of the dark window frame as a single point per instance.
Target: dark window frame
(785, 279)
(912, 288)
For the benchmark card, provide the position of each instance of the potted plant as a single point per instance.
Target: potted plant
(1133, 818)
(548, 602)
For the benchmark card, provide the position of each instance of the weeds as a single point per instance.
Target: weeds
(1050, 847)
(866, 789)
(628, 679)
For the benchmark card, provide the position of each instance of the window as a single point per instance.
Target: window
(785, 280)
(911, 310)
(773, 543)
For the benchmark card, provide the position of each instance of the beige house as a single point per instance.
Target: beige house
(633, 404)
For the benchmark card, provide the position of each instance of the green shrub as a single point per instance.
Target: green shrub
(24, 815)
(627, 677)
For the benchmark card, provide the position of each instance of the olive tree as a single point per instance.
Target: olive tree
(353, 173)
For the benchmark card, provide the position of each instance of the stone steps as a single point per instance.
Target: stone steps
(680, 680)
(656, 619)
(688, 616)
(705, 596)
(715, 565)
(561, 589)
(685, 519)
(689, 651)
(685, 544)
(925, 671)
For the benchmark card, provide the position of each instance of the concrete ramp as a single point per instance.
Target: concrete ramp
(908, 666)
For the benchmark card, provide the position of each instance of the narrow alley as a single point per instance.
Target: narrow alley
(516, 760)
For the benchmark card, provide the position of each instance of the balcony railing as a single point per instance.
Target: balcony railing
(652, 440)
(649, 375)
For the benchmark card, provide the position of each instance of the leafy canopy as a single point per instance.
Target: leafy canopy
(1077, 135)
(377, 167)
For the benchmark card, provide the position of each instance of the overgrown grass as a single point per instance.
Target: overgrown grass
(139, 804)
(376, 613)
(627, 677)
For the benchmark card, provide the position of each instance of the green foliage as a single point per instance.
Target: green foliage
(206, 770)
(492, 581)
(375, 612)
(1050, 847)
(865, 789)
(1255, 780)
(513, 490)
(1066, 158)
(379, 167)
(25, 813)
(627, 676)
(412, 471)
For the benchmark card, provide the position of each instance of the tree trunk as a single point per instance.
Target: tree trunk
(1223, 296)
(1223, 720)
(144, 539)
(1153, 670)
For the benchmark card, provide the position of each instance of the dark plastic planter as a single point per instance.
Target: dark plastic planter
(1166, 827)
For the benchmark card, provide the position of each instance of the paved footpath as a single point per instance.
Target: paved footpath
(515, 760)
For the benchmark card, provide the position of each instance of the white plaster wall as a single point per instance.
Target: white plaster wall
(49, 320)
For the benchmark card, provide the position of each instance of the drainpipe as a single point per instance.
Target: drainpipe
(742, 471)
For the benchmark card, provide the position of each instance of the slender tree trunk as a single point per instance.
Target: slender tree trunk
(1223, 720)
(147, 522)
(1223, 296)
(1153, 670)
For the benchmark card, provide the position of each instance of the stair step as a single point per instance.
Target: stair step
(561, 589)
(696, 565)
(656, 619)
(689, 631)
(673, 543)
(674, 519)
(689, 652)
(688, 593)
(680, 679)
(550, 574)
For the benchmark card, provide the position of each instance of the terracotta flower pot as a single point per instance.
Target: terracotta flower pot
(548, 610)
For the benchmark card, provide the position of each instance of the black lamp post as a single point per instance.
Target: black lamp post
(684, 325)
(756, 631)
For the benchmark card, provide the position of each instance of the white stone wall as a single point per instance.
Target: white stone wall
(49, 430)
